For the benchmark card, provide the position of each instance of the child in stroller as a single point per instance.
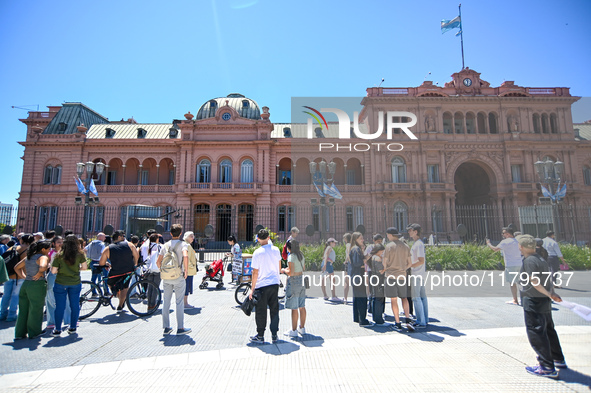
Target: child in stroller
(214, 272)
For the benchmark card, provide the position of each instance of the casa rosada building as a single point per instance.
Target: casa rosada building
(229, 166)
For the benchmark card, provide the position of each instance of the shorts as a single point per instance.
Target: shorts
(396, 286)
(329, 268)
(295, 293)
(512, 274)
(119, 283)
(349, 268)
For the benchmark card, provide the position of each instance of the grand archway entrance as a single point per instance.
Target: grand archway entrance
(473, 200)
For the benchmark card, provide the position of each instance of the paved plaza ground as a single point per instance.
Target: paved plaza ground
(472, 344)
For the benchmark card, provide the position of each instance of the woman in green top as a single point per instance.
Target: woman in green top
(295, 291)
(66, 266)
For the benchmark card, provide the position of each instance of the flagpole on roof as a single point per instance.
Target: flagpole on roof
(461, 35)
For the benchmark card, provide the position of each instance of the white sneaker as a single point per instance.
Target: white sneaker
(302, 331)
(291, 333)
(335, 299)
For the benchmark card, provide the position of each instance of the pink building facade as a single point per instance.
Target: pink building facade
(230, 167)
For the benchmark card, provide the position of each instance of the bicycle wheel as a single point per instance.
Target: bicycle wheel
(242, 292)
(145, 300)
(282, 286)
(90, 299)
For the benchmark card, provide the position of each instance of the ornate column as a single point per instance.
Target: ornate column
(157, 174)
(123, 178)
(139, 174)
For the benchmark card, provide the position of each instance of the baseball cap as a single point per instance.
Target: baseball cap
(393, 231)
(414, 227)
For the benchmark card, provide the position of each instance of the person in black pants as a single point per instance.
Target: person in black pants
(377, 285)
(537, 294)
(266, 265)
(358, 280)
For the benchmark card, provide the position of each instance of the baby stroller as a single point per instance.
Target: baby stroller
(214, 272)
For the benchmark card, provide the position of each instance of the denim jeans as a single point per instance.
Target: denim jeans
(50, 303)
(61, 292)
(419, 299)
(9, 303)
(94, 266)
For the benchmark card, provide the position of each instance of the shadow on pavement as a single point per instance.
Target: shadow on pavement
(572, 376)
(117, 318)
(26, 343)
(193, 311)
(63, 340)
(7, 325)
(174, 340)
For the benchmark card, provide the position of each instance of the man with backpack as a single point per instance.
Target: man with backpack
(173, 263)
(93, 251)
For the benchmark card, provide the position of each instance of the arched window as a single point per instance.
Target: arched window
(492, 123)
(447, 123)
(47, 175)
(47, 218)
(246, 171)
(203, 172)
(213, 106)
(470, 123)
(587, 175)
(52, 175)
(481, 119)
(398, 170)
(553, 123)
(226, 171)
(400, 216)
(545, 124)
(459, 122)
(536, 121)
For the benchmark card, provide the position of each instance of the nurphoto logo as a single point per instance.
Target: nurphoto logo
(345, 129)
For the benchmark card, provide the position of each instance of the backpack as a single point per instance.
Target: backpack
(170, 268)
(11, 259)
(94, 251)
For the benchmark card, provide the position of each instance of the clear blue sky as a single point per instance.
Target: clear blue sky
(156, 60)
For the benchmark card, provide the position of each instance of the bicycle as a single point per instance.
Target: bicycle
(92, 297)
(243, 290)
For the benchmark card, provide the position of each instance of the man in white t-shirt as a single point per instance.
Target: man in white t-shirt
(266, 265)
(177, 286)
(418, 275)
(513, 260)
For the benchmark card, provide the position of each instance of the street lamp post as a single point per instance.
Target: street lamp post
(551, 173)
(321, 174)
(88, 168)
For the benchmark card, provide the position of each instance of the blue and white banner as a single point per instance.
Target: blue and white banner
(79, 184)
(332, 191)
(92, 187)
(447, 25)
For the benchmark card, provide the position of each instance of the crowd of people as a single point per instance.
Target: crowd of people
(43, 271)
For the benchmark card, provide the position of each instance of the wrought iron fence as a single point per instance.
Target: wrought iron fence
(212, 225)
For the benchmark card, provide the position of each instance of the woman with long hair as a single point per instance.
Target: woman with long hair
(235, 252)
(358, 279)
(12, 287)
(328, 259)
(56, 246)
(189, 237)
(347, 241)
(66, 266)
(295, 291)
(33, 291)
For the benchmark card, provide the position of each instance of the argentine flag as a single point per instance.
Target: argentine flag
(92, 187)
(455, 23)
(79, 184)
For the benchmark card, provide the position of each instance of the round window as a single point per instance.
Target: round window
(226, 116)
